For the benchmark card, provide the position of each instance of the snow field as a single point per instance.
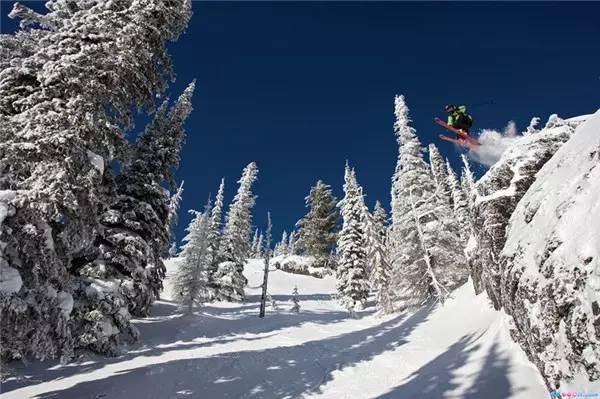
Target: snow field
(461, 350)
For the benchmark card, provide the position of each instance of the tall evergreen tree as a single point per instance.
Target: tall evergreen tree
(70, 80)
(467, 181)
(284, 243)
(460, 204)
(292, 243)
(254, 243)
(214, 238)
(174, 203)
(192, 277)
(137, 224)
(235, 246)
(424, 237)
(438, 171)
(281, 248)
(378, 257)
(259, 246)
(316, 234)
(351, 273)
(135, 234)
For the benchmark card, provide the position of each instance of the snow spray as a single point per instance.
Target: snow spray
(493, 144)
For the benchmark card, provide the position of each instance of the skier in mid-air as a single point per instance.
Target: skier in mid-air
(459, 118)
(459, 123)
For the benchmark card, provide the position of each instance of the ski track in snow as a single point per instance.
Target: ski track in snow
(460, 350)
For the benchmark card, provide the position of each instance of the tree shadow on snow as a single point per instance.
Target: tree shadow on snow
(168, 330)
(281, 372)
(437, 379)
(301, 297)
(39, 372)
(492, 381)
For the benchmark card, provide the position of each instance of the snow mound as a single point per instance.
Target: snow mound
(97, 161)
(297, 264)
(65, 303)
(10, 279)
(6, 196)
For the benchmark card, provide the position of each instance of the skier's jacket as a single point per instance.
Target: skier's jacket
(460, 119)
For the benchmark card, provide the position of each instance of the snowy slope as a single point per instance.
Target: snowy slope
(461, 350)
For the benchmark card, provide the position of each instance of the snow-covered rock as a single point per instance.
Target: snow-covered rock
(10, 279)
(6, 196)
(497, 194)
(97, 161)
(65, 302)
(298, 264)
(550, 264)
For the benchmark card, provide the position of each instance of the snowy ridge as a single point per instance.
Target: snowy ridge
(460, 350)
(494, 143)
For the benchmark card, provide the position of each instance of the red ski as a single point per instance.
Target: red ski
(465, 140)
(460, 142)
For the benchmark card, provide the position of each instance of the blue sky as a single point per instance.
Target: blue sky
(302, 87)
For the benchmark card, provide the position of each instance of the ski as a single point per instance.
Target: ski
(460, 142)
(472, 141)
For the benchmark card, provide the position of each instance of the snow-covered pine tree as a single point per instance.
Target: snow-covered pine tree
(292, 243)
(410, 170)
(438, 171)
(460, 204)
(70, 80)
(467, 181)
(192, 277)
(533, 126)
(273, 302)
(235, 245)
(174, 203)
(351, 273)
(214, 238)
(137, 224)
(254, 243)
(281, 248)
(378, 258)
(122, 274)
(277, 250)
(316, 234)
(295, 300)
(258, 252)
(173, 250)
(425, 243)
(284, 243)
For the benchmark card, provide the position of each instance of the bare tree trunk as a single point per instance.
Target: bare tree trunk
(263, 298)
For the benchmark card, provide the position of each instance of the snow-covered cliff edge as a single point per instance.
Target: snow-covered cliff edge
(550, 264)
(497, 194)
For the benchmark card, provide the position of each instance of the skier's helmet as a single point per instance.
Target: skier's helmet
(450, 107)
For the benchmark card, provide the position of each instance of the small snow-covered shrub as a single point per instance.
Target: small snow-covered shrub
(299, 265)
